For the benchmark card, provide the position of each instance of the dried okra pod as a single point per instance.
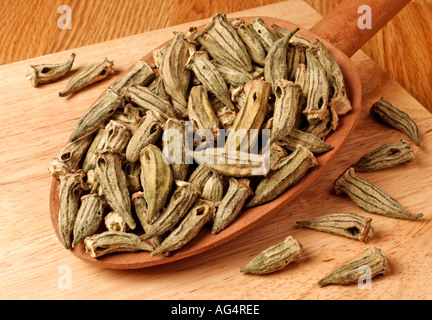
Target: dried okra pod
(201, 213)
(264, 35)
(275, 257)
(349, 225)
(47, 73)
(141, 74)
(253, 45)
(93, 73)
(232, 76)
(200, 176)
(395, 118)
(349, 273)
(114, 242)
(114, 222)
(370, 198)
(232, 204)
(89, 217)
(386, 156)
(309, 141)
(213, 189)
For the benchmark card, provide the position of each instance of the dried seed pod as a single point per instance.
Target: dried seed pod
(200, 111)
(213, 189)
(386, 156)
(296, 39)
(147, 100)
(253, 45)
(290, 170)
(114, 242)
(173, 73)
(309, 141)
(113, 184)
(296, 55)
(70, 191)
(98, 113)
(338, 100)
(182, 199)
(275, 257)
(141, 74)
(349, 273)
(323, 127)
(201, 213)
(276, 66)
(158, 88)
(232, 76)
(318, 90)
(133, 176)
(221, 41)
(232, 204)
(156, 179)
(200, 176)
(148, 132)
(245, 129)
(277, 153)
(209, 76)
(93, 73)
(370, 198)
(286, 108)
(89, 217)
(129, 116)
(114, 222)
(47, 73)
(349, 225)
(395, 118)
(264, 35)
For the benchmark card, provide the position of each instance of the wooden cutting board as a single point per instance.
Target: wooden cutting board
(36, 124)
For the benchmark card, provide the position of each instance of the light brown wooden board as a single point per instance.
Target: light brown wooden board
(36, 124)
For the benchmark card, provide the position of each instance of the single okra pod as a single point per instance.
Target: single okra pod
(93, 73)
(200, 176)
(370, 198)
(47, 73)
(89, 217)
(275, 257)
(386, 156)
(201, 213)
(395, 118)
(349, 273)
(309, 141)
(141, 74)
(114, 242)
(200, 110)
(213, 189)
(253, 45)
(349, 225)
(232, 204)
(264, 35)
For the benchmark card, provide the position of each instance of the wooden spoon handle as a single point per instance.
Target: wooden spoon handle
(341, 26)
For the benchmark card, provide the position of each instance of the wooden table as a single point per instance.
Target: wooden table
(37, 123)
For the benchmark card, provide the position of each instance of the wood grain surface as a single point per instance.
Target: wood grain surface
(36, 124)
(29, 29)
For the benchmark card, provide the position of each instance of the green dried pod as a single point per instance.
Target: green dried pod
(245, 129)
(114, 222)
(253, 45)
(158, 88)
(309, 141)
(349, 225)
(323, 127)
(200, 111)
(141, 74)
(276, 66)
(200, 176)
(89, 217)
(318, 90)
(47, 73)
(264, 35)
(209, 76)
(296, 55)
(213, 189)
(182, 199)
(113, 183)
(285, 109)
(338, 100)
(98, 113)
(115, 136)
(232, 76)
(395, 118)
(174, 147)
(70, 191)
(148, 132)
(386, 156)
(290, 170)
(201, 213)
(370, 198)
(349, 273)
(114, 242)
(296, 39)
(221, 41)
(93, 73)
(158, 55)
(231, 204)
(275, 257)
(129, 116)
(173, 72)
(147, 100)
(156, 179)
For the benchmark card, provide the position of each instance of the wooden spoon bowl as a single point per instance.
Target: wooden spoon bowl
(249, 218)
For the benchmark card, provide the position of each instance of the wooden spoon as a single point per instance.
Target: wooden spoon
(340, 32)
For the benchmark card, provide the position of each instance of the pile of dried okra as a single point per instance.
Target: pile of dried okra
(258, 102)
